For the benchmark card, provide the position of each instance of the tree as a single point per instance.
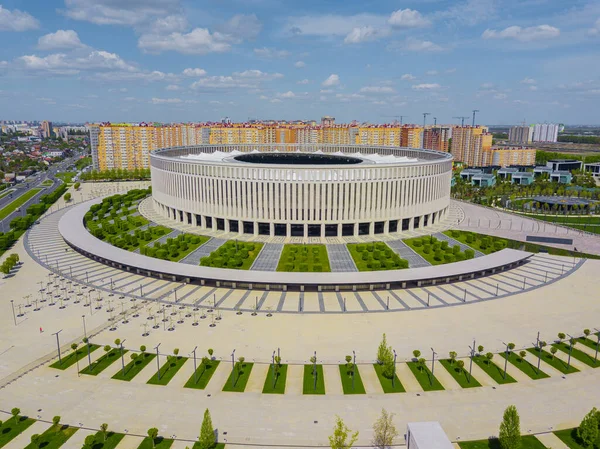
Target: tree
(553, 351)
(460, 364)
(341, 438)
(89, 442)
(176, 352)
(480, 349)
(561, 336)
(104, 429)
(77, 185)
(384, 430)
(452, 355)
(588, 429)
(56, 420)
(511, 346)
(15, 412)
(416, 353)
(74, 346)
(489, 356)
(35, 439)
(153, 434)
(142, 349)
(207, 432)
(67, 197)
(510, 429)
(210, 352)
(384, 352)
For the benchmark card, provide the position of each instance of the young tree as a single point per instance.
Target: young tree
(35, 439)
(489, 356)
(561, 336)
(104, 430)
(210, 352)
(522, 354)
(452, 355)
(416, 353)
(142, 349)
(89, 442)
(384, 431)
(15, 412)
(56, 420)
(153, 434)
(588, 429)
(480, 349)
(586, 332)
(510, 429)
(207, 432)
(67, 197)
(553, 351)
(341, 438)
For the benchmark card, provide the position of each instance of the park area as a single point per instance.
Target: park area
(375, 256)
(304, 258)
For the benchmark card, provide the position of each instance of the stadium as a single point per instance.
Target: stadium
(293, 190)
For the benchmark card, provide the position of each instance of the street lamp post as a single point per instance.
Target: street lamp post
(84, 329)
(471, 361)
(505, 359)
(195, 367)
(12, 304)
(394, 370)
(433, 353)
(157, 362)
(353, 367)
(122, 358)
(233, 367)
(571, 340)
(58, 346)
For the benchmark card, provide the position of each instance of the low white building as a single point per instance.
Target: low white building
(426, 435)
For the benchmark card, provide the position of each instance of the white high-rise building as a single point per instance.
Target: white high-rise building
(520, 134)
(545, 132)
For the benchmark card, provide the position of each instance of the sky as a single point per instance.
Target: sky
(368, 60)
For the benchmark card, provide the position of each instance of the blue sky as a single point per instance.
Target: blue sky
(178, 60)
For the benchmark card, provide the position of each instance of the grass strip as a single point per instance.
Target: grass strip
(583, 357)
(553, 361)
(73, 357)
(134, 367)
(103, 362)
(238, 378)
(570, 438)
(348, 385)
(461, 375)
(159, 443)
(18, 202)
(427, 380)
(203, 375)
(279, 387)
(168, 370)
(524, 366)
(590, 343)
(493, 370)
(13, 427)
(386, 383)
(304, 258)
(197, 445)
(111, 442)
(527, 442)
(308, 382)
(54, 437)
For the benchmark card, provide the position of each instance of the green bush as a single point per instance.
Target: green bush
(469, 238)
(288, 267)
(444, 245)
(365, 255)
(427, 249)
(417, 243)
(469, 254)
(438, 256)
(403, 263)
(317, 268)
(460, 256)
(161, 254)
(360, 248)
(448, 258)
(455, 249)
(303, 267)
(380, 246)
(376, 265)
(376, 254)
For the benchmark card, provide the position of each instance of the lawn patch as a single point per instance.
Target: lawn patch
(238, 378)
(218, 446)
(308, 383)
(346, 375)
(11, 428)
(527, 442)
(427, 380)
(112, 440)
(133, 368)
(461, 375)
(12, 206)
(524, 366)
(103, 362)
(583, 357)
(203, 375)
(570, 438)
(588, 342)
(438, 252)
(159, 443)
(54, 437)
(493, 370)
(304, 258)
(233, 254)
(487, 244)
(281, 377)
(386, 383)
(553, 361)
(375, 256)
(168, 370)
(73, 357)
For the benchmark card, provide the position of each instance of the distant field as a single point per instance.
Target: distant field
(10, 208)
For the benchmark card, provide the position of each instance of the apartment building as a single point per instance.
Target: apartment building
(437, 138)
(470, 143)
(508, 156)
(520, 134)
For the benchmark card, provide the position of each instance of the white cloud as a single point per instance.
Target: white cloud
(242, 27)
(288, 94)
(299, 64)
(263, 97)
(533, 88)
(257, 74)
(333, 25)
(426, 86)
(60, 39)
(111, 12)
(168, 24)
(165, 100)
(527, 80)
(595, 30)
(332, 80)
(199, 41)
(408, 77)
(138, 76)
(275, 100)
(528, 34)
(408, 18)
(452, 70)
(431, 72)
(194, 72)
(173, 87)
(250, 79)
(499, 96)
(326, 91)
(412, 44)
(469, 12)
(304, 81)
(122, 90)
(379, 102)
(362, 34)
(61, 63)
(377, 90)
(349, 97)
(16, 20)
(487, 85)
(271, 53)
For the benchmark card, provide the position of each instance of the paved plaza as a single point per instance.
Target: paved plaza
(548, 295)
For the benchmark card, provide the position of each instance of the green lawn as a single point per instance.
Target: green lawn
(159, 443)
(218, 446)
(71, 358)
(493, 370)
(578, 354)
(233, 254)
(47, 183)
(8, 192)
(66, 176)
(437, 252)
(203, 375)
(304, 258)
(133, 368)
(238, 378)
(10, 428)
(175, 248)
(386, 383)
(487, 244)
(375, 256)
(461, 375)
(18, 202)
(589, 342)
(524, 366)
(167, 371)
(103, 362)
(54, 437)
(309, 381)
(553, 361)
(112, 440)
(527, 442)
(281, 377)
(570, 438)
(358, 388)
(427, 381)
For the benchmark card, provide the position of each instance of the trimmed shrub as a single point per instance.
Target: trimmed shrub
(448, 258)
(303, 267)
(455, 249)
(427, 249)
(417, 243)
(360, 248)
(438, 256)
(469, 254)
(469, 238)
(317, 268)
(288, 267)
(444, 245)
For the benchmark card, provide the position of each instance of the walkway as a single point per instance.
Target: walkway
(204, 250)
(406, 252)
(340, 259)
(268, 258)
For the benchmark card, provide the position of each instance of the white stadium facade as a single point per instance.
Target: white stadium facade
(296, 190)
